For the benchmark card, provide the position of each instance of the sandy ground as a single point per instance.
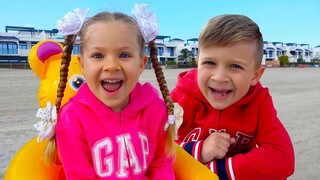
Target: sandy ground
(296, 94)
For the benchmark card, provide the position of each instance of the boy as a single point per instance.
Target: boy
(230, 123)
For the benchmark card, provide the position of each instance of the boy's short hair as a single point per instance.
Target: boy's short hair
(229, 29)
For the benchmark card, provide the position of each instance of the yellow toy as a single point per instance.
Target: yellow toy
(44, 60)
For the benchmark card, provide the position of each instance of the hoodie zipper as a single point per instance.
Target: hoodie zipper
(125, 143)
(219, 120)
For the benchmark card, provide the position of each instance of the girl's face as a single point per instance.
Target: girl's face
(111, 62)
(225, 74)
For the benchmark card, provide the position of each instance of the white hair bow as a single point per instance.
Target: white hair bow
(46, 126)
(147, 22)
(175, 119)
(72, 22)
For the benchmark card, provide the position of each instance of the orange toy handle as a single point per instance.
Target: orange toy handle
(187, 168)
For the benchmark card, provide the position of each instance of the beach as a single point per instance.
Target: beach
(295, 92)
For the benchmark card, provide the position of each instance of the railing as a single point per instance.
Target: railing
(15, 65)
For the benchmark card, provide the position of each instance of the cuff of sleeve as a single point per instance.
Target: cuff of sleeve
(224, 168)
(194, 149)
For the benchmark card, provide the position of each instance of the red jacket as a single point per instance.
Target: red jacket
(263, 149)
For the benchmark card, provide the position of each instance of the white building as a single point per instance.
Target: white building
(295, 52)
(316, 52)
(16, 43)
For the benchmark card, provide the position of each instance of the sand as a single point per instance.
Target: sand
(295, 91)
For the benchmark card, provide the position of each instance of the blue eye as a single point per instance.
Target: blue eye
(235, 66)
(76, 81)
(124, 55)
(209, 62)
(97, 56)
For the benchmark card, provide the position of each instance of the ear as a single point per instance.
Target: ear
(257, 75)
(80, 59)
(143, 62)
(197, 57)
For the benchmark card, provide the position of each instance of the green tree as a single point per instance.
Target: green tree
(316, 59)
(185, 55)
(284, 60)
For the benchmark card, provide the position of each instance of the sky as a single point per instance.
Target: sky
(287, 21)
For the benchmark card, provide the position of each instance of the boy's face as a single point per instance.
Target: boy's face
(225, 74)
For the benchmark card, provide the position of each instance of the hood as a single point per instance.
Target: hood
(187, 82)
(140, 97)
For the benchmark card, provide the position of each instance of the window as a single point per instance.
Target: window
(22, 45)
(12, 48)
(8, 48)
(195, 51)
(279, 53)
(146, 51)
(170, 51)
(160, 51)
(270, 54)
(76, 49)
(3, 48)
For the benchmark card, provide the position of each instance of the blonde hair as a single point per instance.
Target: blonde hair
(51, 149)
(229, 29)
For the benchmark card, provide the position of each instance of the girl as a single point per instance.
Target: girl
(114, 127)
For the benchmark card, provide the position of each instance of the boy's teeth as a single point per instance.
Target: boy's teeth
(221, 93)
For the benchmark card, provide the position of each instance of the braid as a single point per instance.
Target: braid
(64, 68)
(165, 94)
(50, 154)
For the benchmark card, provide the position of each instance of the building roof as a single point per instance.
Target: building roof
(177, 39)
(8, 37)
(291, 44)
(271, 48)
(163, 37)
(192, 39)
(160, 44)
(275, 43)
(29, 29)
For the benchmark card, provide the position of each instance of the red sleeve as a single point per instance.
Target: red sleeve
(272, 159)
(73, 149)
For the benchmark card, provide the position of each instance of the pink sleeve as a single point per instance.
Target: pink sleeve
(72, 146)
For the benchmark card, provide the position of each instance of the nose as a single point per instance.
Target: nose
(220, 75)
(111, 63)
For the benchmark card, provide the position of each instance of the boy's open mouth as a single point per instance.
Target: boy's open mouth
(111, 85)
(220, 93)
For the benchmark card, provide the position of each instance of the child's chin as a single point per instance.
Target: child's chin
(219, 106)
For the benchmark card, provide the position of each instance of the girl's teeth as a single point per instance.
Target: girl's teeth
(112, 81)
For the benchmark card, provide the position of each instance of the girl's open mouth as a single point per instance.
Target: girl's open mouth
(111, 85)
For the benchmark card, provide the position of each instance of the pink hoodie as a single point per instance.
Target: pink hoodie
(95, 142)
